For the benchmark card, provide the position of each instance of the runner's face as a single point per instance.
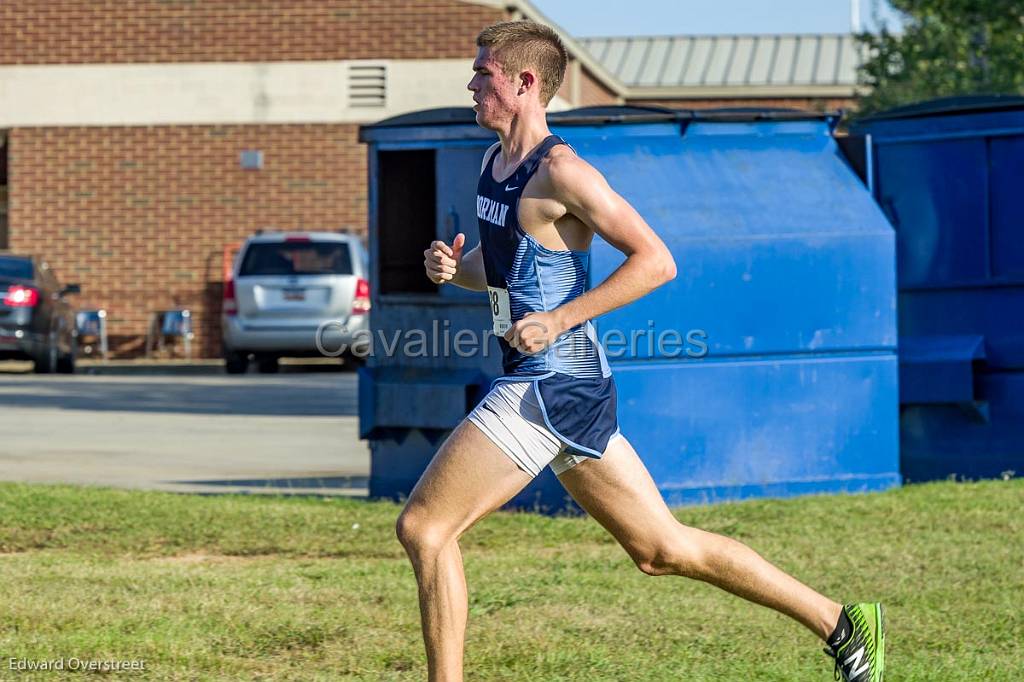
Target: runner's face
(494, 93)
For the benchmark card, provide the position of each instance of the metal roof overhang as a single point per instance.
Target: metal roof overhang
(740, 92)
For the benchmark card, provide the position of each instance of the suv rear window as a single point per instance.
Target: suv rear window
(15, 268)
(297, 258)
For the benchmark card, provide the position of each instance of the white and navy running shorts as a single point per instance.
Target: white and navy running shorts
(511, 417)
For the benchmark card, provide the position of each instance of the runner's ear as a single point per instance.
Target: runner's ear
(527, 79)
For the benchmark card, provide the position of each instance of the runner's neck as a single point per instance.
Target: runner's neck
(518, 141)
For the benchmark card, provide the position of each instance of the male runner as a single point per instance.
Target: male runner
(539, 206)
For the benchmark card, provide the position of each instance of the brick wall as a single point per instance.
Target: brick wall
(592, 92)
(140, 216)
(131, 31)
(3, 191)
(809, 104)
(565, 90)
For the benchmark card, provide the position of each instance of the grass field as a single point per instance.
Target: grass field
(235, 587)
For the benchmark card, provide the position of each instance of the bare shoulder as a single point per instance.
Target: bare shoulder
(569, 177)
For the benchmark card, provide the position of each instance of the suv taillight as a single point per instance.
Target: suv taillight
(230, 306)
(21, 297)
(361, 303)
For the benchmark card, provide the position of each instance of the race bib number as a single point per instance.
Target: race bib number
(501, 311)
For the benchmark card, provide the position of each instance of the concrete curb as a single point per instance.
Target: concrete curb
(123, 367)
(200, 367)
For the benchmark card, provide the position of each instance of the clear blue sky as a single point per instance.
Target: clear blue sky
(680, 17)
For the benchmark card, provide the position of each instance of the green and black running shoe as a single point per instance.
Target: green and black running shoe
(860, 654)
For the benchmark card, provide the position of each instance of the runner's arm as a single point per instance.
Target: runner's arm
(649, 264)
(444, 263)
(470, 273)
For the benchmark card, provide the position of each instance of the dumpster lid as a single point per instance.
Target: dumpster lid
(426, 117)
(643, 114)
(941, 348)
(615, 114)
(947, 106)
(609, 114)
(938, 368)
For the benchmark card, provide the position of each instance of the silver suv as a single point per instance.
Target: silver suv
(284, 288)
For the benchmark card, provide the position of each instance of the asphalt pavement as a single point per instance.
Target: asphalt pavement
(205, 432)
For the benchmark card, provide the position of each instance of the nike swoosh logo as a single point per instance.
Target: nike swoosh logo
(509, 189)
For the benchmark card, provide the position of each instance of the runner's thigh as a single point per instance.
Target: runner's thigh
(468, 478)
(620, 494)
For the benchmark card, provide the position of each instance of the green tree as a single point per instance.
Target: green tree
(946, 47)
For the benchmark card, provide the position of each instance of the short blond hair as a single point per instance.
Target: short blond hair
(523, 44)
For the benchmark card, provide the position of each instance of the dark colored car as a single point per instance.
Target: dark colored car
(36, 321)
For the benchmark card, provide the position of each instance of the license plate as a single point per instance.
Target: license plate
(293, 294)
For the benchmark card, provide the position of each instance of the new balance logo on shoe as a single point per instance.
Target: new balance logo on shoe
(859, 645)
(856, 664)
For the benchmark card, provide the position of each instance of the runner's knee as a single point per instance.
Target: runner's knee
(674, 554)
(419, 534)
(660, 561)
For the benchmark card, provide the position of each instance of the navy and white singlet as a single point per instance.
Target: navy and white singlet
(571, 377)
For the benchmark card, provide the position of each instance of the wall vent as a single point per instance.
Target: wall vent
(367, 85)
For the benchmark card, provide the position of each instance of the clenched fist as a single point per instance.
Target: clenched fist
(535, 332)
(442, 261)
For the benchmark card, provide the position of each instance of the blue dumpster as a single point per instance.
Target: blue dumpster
(766, 368)
(949, 174)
